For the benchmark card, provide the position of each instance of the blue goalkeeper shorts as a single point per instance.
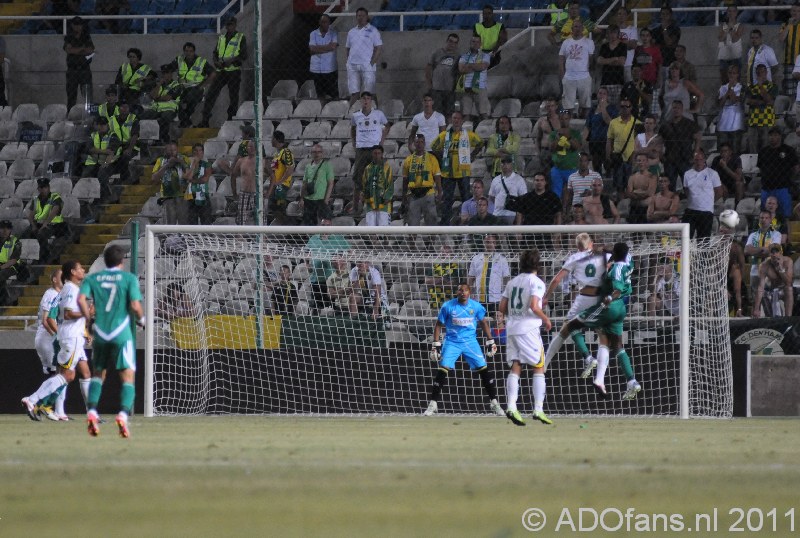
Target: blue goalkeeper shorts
(471, 351)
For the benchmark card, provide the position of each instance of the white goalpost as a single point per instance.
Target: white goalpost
(239, 321)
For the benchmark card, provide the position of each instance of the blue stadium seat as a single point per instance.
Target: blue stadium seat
(215, 6)
(155, 26)
(162, 7)
(429, 5)
(386, 24)
(437, 22)
(172, 26)
(517, 20)
(86, 7)
(413, 22)
(399, 5)
(188, 6)
(196, 25)
(138, 7)
(464, 21)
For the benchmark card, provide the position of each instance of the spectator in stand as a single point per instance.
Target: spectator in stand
(580, 183)
(728, 165)
(471, 86)
(575, 57)
(676, 87)
(562, 28)
(730, 43)
(639, 93)
(229, 55)
(505, 185)
(620, 145)
(280, 176)
(195, 76)
(648, 57)
(641, 188)
(470, 207)
(664, 205)
(110, 107)
(429, 123)
(44, 216)
(503, 143)
(702, 187)
(611, 58)
(778, 222)
(629, 35)
(338, 286)
(483, 217)
(378, 190)
(667, 35)
(796, 77)
(564, 146)
(322, 45)
(10, 262)
(245, 197)
(760, 99)
(730, 124)
(595, 131)
(759, 54)
(488, 274)
(777, 298)
(560, 11)
(778, 164)
(547, 123)
(369, 129)
(737, 292)
(284, 293)
(165, 95)
(456, 148)
(651, 144)
(169, 171)
(789, 35)
(597, 208)
(198, 195)
(80, 50)
(131, 75)
(364, 48)
(423, 180)
(318, 181)
(757, 246)
(175, 303)
(682, 138)
(688, 70)
(368, 290)
(492, 33)
(323, 248)
(125, 125)
(441, 73)
(100, 157)
(665, 291)
(540, 207)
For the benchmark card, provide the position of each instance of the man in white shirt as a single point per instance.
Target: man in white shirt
(574, 65)
(364, 47)
(702, 187)
(757, 246)
(488, 274)
(428, 122)
(629, 35)
(507, 183)
(580, 182)
(324, 70)
(368, 292)
(758, 54)
(369, 128)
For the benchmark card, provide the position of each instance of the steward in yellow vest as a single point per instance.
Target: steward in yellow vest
(166, 95)
(100, 157)
(10, 262)
(44, 215)
(229, 54)
(195, 75)
(131, 75)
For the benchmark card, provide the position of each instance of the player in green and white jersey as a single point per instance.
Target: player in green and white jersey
(607, 319)
(116, 295)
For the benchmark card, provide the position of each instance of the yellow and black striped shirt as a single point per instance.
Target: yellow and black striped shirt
(791, 46)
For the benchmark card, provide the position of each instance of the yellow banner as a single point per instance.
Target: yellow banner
(225, 332)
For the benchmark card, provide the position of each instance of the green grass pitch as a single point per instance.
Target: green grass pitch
(385, 476)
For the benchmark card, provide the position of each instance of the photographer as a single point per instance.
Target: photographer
(169, 170)
(778, 269)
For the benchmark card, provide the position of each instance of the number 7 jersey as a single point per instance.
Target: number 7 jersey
(112, 290)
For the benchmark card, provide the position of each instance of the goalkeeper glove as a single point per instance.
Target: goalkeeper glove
(436, 351)
(141, 323)
(491, 348)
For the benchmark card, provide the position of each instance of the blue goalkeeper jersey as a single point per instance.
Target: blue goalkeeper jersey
(461, 321)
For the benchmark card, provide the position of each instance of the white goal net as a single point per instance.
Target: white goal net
(347, 316)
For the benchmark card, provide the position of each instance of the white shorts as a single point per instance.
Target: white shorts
(577, 89)
(361, 78)
(581, 303)
(71, 352)
(377, 218)
(525, 349)
(44, 348)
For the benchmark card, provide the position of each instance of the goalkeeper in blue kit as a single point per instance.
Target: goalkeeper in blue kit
(460, 318)
(116, 296)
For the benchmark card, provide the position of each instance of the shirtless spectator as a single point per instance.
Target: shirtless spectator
(578, 215)
(546, 124)
(774, 285)
(641, 187)
(246, 168)
(729, 167)
(600, 209)
(663, 206)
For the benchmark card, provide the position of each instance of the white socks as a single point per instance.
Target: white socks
(84, 383)
(49, 386)
(539, 388)
(552, 349)
(59, 410)
(602, 364)
(512, 391)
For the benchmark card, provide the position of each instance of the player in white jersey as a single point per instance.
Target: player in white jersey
(586, 267)
(43, 343)
(71, 330)
(521, 303)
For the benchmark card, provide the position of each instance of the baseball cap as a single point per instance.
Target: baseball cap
(6, 224)
(43, 182)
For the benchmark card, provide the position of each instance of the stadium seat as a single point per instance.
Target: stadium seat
(278, 110)
(30, 250)
(26, 189)
(522, 126)
(341, 166)
(5, 113)
(749, 164)
(26, 112)
(292, 129)
(12, 151)
(245, 112)
(77, 113)
(335, 110)
(72, 209)
(398, 131)
(532, 110)
(41, 151)
(7, 187)
(87, 189)
(54, 112)
(348, 151)
(485, 129)
(218, 204)
(12, 208)
(148, 130)
(393, 109)
(283, 89)
(61, 185)
(331, 148)
(307, 91)
(386, 23)
(390, 148)
(299, 148)
(499, 86)
(60, 131)
(308, 110)
(230, 130)
(341, 131)
(437, 22)
(317, 130)
(21, 168)
(509, 106)
(214, 148)
(8, 130)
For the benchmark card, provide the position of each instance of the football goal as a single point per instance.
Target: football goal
(339, 320)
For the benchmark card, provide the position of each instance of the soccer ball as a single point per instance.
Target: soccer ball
(729, 218)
